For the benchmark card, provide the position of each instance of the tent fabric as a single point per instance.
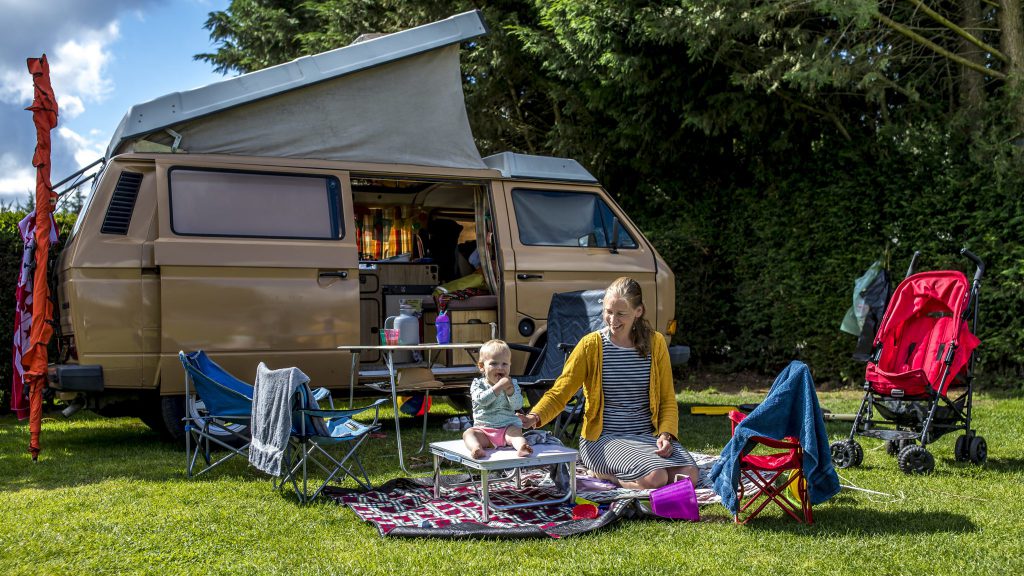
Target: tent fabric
(34, 360)
(409, 111)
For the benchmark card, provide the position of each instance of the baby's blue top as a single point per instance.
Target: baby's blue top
(495, 410)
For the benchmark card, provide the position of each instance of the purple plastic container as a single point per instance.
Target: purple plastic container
(444, 328)
(676, 500)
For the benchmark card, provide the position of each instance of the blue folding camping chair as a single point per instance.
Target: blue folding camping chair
(218, 408)
(217, 412)
(324, 440)
(571, 316)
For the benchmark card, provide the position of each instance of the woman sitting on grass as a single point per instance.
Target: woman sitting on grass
(631, 417)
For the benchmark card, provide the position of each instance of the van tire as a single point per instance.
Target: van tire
(153, 417)
(172, 411)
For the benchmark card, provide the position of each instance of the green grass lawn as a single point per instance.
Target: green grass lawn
(107, 497)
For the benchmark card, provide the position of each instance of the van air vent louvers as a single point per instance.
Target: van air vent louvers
(122, 203)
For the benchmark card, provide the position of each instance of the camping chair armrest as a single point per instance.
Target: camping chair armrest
(735, 417)
(332, 414)
(533, 350)
(788, 444)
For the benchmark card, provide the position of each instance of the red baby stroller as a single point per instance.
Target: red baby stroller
(919, 377)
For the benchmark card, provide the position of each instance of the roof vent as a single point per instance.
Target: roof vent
(119, 212)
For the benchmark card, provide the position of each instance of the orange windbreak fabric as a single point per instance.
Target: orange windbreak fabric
(44, 115)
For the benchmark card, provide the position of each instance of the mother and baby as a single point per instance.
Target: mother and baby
(631, 416)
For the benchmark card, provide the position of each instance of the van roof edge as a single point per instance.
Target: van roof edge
(528, 166)
(177, 107)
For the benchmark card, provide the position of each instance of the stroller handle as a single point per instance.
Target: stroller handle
(977, 262)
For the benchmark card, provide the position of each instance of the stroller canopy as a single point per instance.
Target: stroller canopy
(923, 322)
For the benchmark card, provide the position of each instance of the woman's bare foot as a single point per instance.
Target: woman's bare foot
(525, 450)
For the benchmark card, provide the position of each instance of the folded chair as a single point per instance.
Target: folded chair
(324, 440)
(571, 316)
(217, 412)
(779, 478)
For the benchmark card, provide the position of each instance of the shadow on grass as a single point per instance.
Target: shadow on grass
(91, 451)
(1003, 464)
(849, 520)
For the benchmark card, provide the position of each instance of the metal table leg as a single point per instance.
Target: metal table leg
(390, 362)
(426, 412)
(485, 496)
(353, 376)
(437, 476)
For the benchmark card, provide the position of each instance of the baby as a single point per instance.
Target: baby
(496, 397)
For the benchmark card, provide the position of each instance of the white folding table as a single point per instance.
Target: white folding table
(505, 459)
(429, 353)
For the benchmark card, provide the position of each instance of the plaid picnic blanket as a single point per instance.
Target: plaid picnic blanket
(406, 507)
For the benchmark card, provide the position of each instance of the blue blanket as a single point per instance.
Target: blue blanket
(790, 409)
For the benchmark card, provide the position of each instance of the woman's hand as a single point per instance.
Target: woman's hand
(529, 421)
(664, 446)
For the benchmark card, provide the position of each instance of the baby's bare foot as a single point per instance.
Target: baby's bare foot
(478, 454)
(526, 450)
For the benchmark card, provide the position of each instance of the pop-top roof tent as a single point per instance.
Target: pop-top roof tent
(394, 99)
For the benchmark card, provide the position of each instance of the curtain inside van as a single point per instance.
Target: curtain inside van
(553, 219)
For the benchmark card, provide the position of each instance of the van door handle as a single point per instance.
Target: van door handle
(529, 276)
(339, 274)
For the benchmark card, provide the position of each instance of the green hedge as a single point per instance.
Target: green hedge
(11, 251)
(765, 269)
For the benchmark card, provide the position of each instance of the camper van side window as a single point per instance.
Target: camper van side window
(254, 205)
(555, 218)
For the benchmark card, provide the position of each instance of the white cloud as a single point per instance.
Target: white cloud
(17, 181)
(85, 150)
(78, 67)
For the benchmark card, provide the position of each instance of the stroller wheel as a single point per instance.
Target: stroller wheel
(978, 450)
(962, 449)
(846, 453)
(893, 447)
(916, 460)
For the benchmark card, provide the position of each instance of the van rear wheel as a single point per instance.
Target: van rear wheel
(172, 410)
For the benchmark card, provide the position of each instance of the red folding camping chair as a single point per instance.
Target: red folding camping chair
(779, 478)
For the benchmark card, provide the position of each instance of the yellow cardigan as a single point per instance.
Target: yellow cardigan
(583, 368)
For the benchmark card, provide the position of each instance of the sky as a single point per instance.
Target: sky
(104, 56)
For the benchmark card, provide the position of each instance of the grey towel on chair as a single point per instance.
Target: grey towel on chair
(271, 425)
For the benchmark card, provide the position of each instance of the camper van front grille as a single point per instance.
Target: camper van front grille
(122, 203)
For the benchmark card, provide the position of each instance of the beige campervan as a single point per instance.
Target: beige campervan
(281, 214)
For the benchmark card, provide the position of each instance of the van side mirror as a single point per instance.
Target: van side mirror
(613, 247)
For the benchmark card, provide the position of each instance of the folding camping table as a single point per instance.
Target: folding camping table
(496, 460)
(386, 380)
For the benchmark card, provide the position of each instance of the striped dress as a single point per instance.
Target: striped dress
(626, 446)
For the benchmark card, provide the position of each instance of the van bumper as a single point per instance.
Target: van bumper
(678, 355)
(75, 377)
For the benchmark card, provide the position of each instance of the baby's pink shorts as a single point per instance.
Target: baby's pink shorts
(495, 435)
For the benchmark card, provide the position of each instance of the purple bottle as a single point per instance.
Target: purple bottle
(444, 328)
